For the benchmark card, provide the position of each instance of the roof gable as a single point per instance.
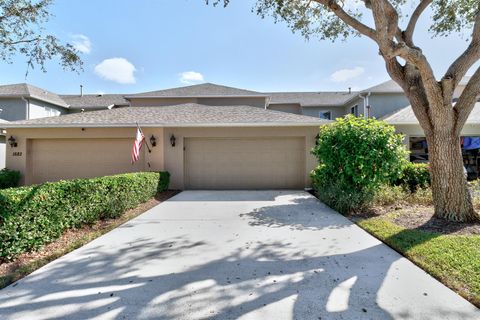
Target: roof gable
(406, 116)
(26, 90)
(199, 90)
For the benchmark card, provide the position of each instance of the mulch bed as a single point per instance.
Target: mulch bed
(71, 240)
(422, 218)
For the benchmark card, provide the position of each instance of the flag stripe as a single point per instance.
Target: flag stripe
(137, 145)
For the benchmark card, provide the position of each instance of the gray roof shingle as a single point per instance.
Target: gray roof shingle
(28, 91)
(190, 114)
(93, 101)
(199, 90)
(389, 86)
(312, 99)
(406, 116)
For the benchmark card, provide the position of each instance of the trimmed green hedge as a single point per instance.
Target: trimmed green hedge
(9, 178)
(36, 215)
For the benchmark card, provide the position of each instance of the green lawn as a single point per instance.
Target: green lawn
(452, 259)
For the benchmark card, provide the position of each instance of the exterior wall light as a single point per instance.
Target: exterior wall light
(13, 142)
(153, 141)
(172, 140)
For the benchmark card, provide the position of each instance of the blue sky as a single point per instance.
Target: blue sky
(142, 45)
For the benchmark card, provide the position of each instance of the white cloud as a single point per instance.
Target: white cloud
(190, 77)
(82, 43)
(344, 75)
(116, 69)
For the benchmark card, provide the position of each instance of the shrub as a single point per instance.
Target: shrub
(35, 215)
(414, 176)
(356, 156)
(9, 178)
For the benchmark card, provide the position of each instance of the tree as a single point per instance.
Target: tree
(22, 32)
(431, 99)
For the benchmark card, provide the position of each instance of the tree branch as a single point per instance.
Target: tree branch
(346, 18)
(408, 33)
(12, 43)
(460, 67)
(466, 102)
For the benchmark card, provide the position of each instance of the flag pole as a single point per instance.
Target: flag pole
(145, 140)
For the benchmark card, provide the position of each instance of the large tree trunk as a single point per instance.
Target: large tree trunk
(451, 197)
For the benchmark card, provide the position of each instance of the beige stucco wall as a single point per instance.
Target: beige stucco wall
(221, 101)
(25, 136)
(164, 156)
(153, 102)
(290, 108)
(174, 156)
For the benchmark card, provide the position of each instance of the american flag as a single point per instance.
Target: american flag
(137, 145)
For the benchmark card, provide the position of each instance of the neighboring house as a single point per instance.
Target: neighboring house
(202, 146)
(24, 101)
(406, 123)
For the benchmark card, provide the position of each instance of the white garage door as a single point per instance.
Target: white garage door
(56, 159)
(263, 163)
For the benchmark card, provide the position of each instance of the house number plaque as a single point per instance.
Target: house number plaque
(17, 154)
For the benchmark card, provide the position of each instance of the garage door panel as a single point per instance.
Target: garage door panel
(56, 159)
(240, 163)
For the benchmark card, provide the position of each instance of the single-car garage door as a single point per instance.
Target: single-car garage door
(55, 159)
(242, 163)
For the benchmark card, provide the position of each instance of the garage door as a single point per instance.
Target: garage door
(56, 159)
(264, 163)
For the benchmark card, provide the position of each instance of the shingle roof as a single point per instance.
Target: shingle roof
(28, 91)
(312, 99)
(199, 90)
(92, 101)
(389, 86)
(406, 116)
(190, 114)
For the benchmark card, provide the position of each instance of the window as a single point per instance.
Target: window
(325, 114)
(354, 110)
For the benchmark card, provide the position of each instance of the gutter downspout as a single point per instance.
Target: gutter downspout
(366, 105)
(27, 108)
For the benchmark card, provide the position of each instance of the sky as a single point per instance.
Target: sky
(143, 45)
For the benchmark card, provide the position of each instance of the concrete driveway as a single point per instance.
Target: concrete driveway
(234, 255)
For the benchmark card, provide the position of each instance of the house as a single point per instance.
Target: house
(406, 123)
(24, 101)
(202, 146)
(206, 135)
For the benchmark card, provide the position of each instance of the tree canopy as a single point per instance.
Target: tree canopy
(22, 32)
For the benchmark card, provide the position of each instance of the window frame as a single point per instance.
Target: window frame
(325, 111)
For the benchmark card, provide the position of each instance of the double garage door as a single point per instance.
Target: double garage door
(208, 163)
(56, 159)
(242, 163)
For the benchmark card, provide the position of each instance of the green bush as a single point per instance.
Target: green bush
(414, 176)
(36, 215)
(356, 156)
(9, 178)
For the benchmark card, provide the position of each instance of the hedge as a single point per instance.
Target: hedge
(36, 215)
(9, 178)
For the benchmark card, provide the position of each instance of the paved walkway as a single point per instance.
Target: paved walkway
(234, 255)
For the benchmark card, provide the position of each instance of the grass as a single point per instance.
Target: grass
(452, 259)
(71, 240)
